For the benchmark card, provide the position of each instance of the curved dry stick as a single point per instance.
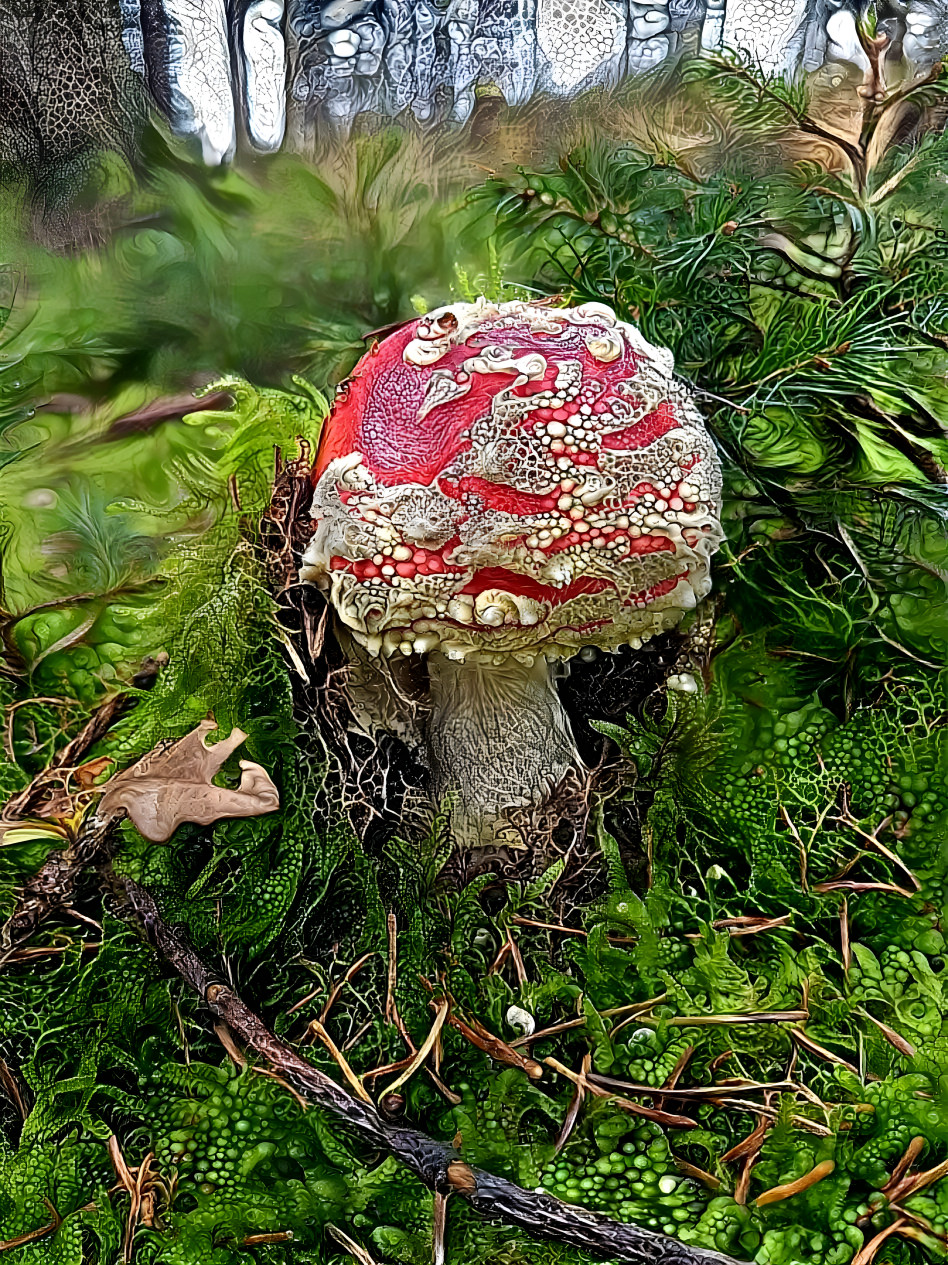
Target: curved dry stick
(436, 1164)
(54, 885)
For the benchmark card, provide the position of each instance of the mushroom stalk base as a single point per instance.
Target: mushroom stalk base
(498, 739)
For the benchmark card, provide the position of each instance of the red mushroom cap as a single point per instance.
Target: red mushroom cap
(510, 478)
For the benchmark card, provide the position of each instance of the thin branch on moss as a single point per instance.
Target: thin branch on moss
(436, 1164)
(55, 884)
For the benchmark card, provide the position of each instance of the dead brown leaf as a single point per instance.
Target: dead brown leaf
(167, 787)
(87, 773)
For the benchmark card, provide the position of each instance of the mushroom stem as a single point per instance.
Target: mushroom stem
(498, 738)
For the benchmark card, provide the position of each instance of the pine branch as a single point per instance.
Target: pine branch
(877, 111)
(795, 114)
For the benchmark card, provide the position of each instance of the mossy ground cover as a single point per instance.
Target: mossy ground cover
(769, 928)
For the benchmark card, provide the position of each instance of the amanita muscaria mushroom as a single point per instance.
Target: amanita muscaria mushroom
(496, 487)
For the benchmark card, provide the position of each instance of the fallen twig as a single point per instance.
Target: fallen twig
(222, 1032)
(753, 1016)
(437, 1165)
(920, 1231)
(337, 988)
(750, 1144)
(439, 1226)
(356, 1037)
(718, 1061)
(912, 1183)
(12, 1088)
(341, 1061)
(28, 954)
(501, 957)
(517, 960)
(814, 1047)
(802, 1122)
(424, 1049)
(552, 1031)
(122, 1171)
(548, 926)
(847, 819)
(850, 886)
(749, 1151)
(55, 884)
(912, 1152)
(391, 975)
(743, 1182)
(138, 1183)
(801, 847)
(894, 1038)
(699, 1174)
(636, 1011)
(750, 924)
(867, 1254)
(568, 931)
(355, 1250)
(674, 1075)
(700, 1092)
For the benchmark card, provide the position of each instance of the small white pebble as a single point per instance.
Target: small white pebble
(520, 1020)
